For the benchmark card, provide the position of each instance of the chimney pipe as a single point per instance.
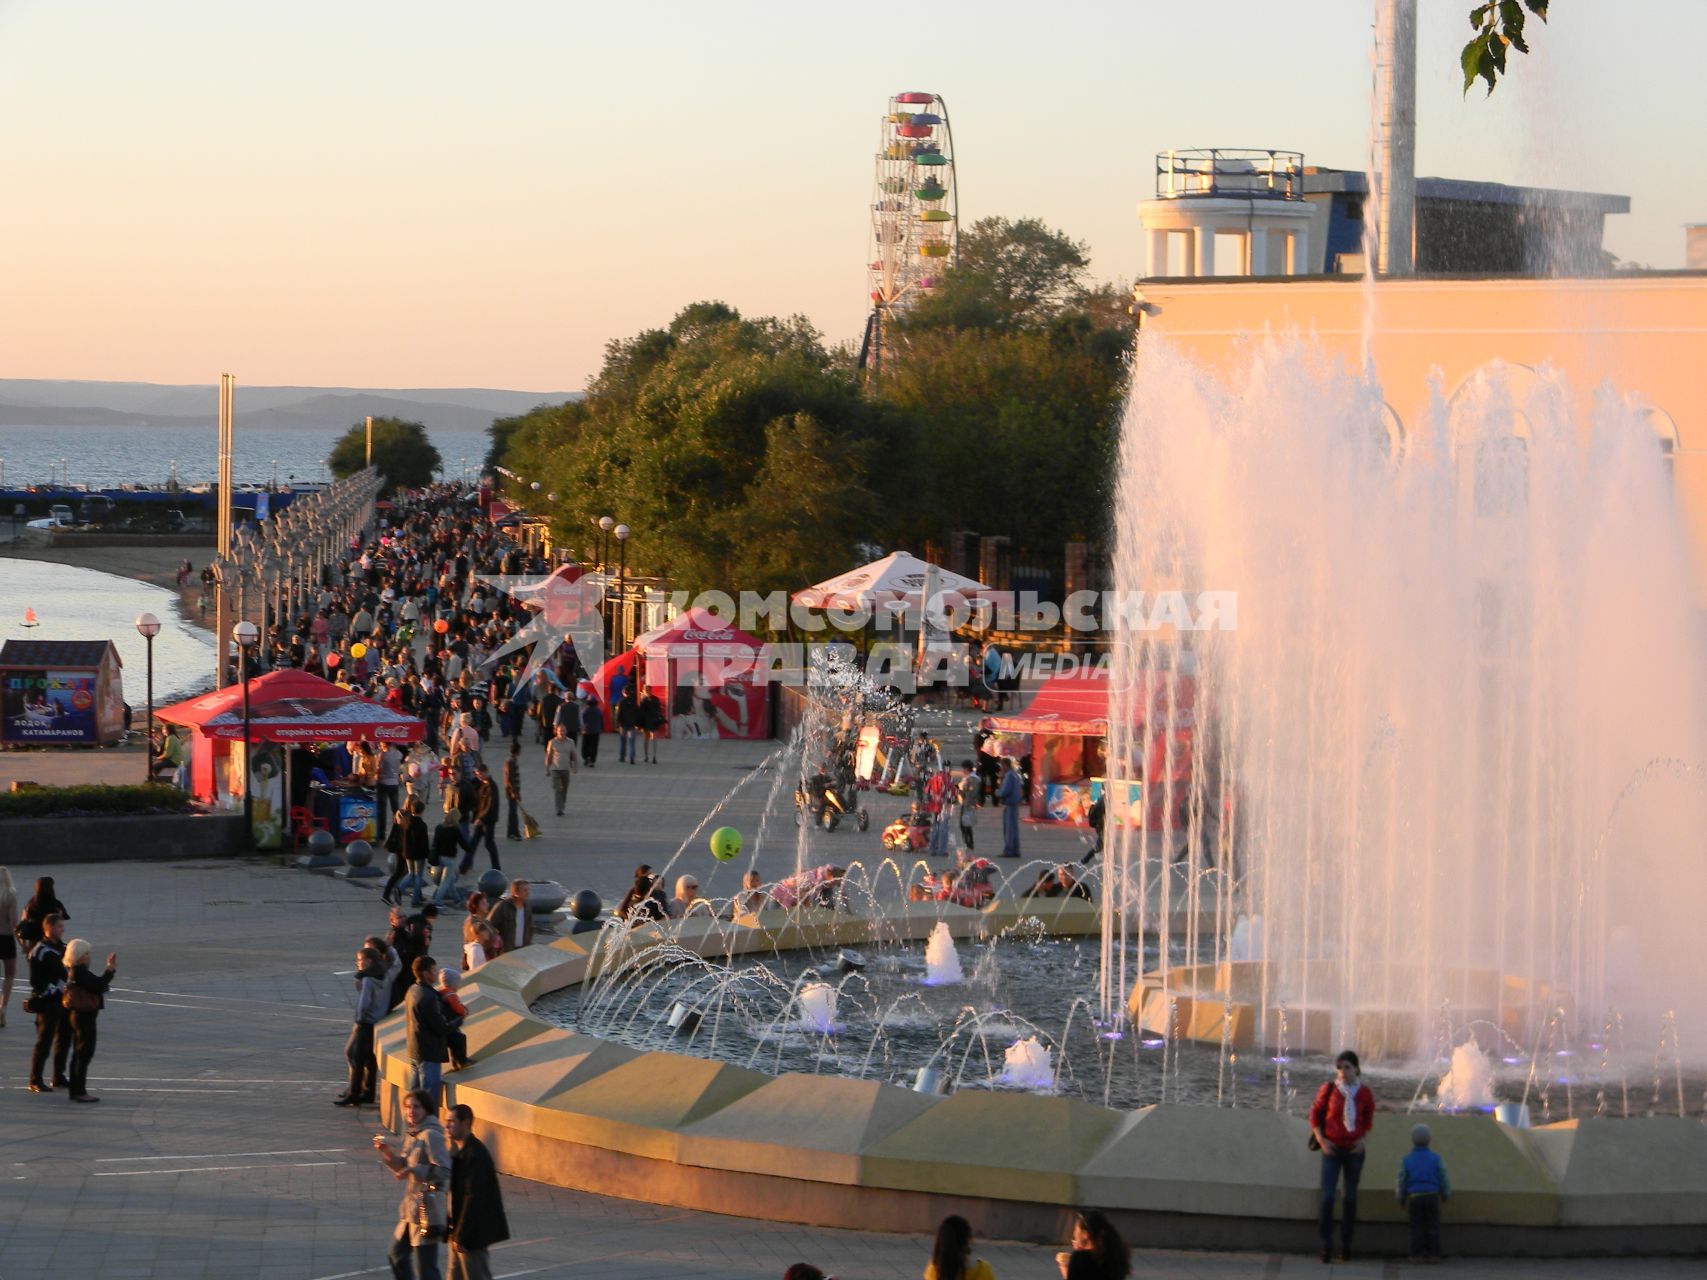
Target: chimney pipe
(1396, 101)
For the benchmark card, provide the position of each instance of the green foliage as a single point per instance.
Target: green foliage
(746, 456)
(738, 450)
(401, 451)
(1498, 26)
(47, 802)
(1010, 275)
(1016, 432)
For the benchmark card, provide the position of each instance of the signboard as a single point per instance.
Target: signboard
(49, 707)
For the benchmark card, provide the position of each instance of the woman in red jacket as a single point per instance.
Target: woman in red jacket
(1340, 1119)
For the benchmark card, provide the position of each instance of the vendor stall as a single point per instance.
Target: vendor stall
(1065, 730)
(57, 693)
(291, 716)
(709, 678)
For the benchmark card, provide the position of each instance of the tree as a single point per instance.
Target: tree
(1498, 26)
(401, 451)
(740, 451)
(1010, 275)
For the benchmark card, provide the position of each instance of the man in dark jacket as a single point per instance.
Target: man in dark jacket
(481, 801)
(424, 1022)
(47, 992)
(510, 917)
(592, 725)
(476, 1217)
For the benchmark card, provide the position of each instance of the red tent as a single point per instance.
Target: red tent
(1068, 702)
(1068, 723)
(285, 707)
(709, 676)
(293, 706)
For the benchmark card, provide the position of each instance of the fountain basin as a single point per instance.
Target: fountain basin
(579, 1111)
(1238, 1001)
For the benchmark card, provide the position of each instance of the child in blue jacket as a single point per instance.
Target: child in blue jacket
(1423, 1188)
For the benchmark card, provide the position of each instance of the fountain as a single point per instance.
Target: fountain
(942, 961)
(1434, 695)
(817, 1001)
(1469, 1082)
(1028, 1064)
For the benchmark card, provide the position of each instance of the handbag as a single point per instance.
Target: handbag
(428, 1217)
(77, 1000)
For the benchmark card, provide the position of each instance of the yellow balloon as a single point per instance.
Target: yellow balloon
(358, 650)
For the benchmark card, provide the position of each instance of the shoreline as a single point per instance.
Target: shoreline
(157, 566)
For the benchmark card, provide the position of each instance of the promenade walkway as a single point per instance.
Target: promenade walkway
(216, 1153)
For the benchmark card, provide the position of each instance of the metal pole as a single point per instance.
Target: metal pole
(148, 750)
(248, 782)
(370, 440)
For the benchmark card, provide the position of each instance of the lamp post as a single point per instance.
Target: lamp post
(606, 524)
(245, 633)
(148, 626)
(621, 531)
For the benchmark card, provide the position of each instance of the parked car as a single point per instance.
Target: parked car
(58, 517)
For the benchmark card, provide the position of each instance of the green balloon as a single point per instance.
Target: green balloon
(725, 843)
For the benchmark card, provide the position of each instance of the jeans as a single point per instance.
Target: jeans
(470, 1264)
(364, 1067)
(412, 1262)
(385, 802)
(1425, 1225)
(626, 742)
(426, 1076)
(1334, 1161)
(939, 837)
(1010, 831)
(447, 884)
(514, 829)
(560, 788)
(408, 874)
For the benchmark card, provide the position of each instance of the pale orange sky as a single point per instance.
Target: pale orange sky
(390, 194)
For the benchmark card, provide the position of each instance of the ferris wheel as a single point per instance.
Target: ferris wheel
(915, 214)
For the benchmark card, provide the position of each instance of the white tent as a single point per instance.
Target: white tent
(898, 581)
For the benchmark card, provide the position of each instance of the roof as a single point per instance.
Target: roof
(1320, 181)
(294, 706)
(1068, 702)
(699, 628)
(56, 653)
(1077, 702)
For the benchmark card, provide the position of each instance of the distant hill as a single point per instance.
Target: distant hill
(39, 402)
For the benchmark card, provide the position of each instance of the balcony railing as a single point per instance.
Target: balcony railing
(1230, 171)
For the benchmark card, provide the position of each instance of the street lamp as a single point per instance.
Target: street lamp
(246, 633)
(148, 626)
(606, 524)
(621, 531)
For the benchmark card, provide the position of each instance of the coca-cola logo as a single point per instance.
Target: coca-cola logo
(695, 634)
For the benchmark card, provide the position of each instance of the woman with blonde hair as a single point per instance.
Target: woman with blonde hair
(8, 942)
(85, 997)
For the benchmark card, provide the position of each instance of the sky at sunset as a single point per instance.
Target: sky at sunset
(437, 194)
